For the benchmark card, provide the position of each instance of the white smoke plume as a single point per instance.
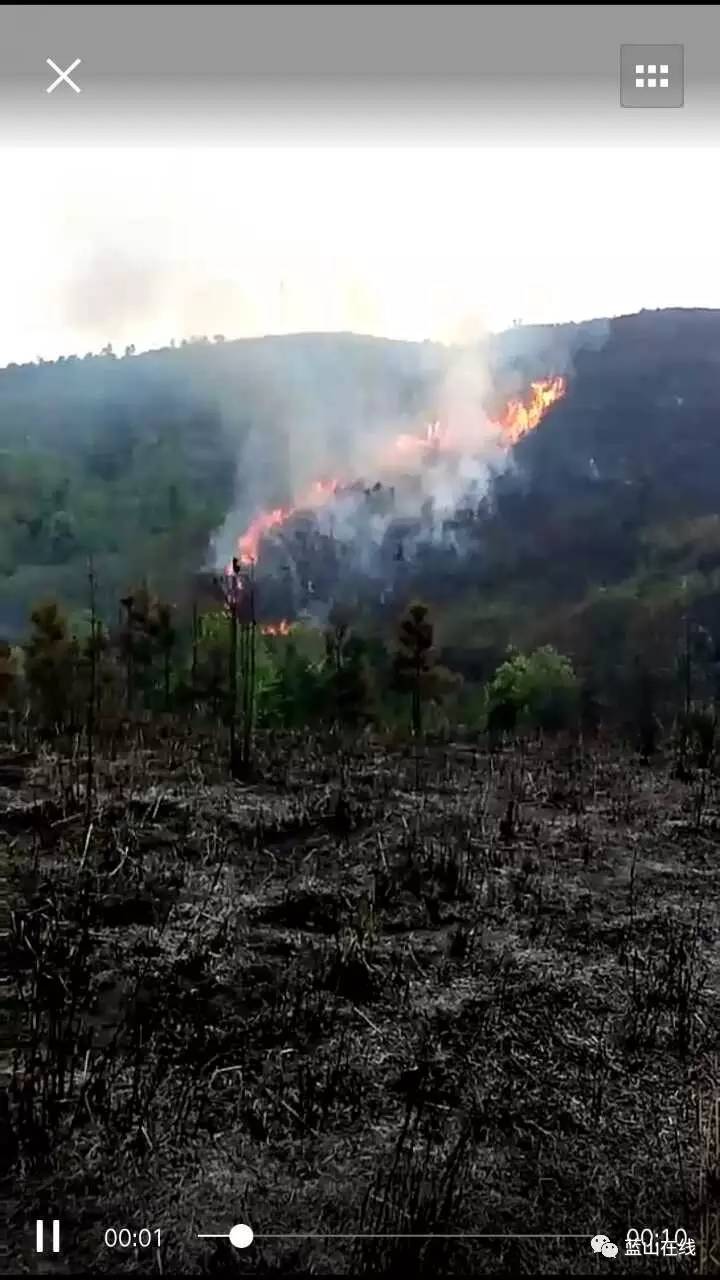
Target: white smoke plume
(400, 474)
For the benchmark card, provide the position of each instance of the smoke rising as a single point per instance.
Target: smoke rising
(393, 475)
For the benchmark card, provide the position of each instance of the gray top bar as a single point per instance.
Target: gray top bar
(345, 40)
(382, 73)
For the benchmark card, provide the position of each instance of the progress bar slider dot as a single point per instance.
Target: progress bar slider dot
(241, 1236)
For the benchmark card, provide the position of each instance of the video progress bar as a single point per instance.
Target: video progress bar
(401, 1235)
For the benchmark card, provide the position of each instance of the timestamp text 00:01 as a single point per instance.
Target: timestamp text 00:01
(125, 1238)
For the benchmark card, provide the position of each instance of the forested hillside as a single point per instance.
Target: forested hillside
(598, 537)
(138, 459)
(608, 534)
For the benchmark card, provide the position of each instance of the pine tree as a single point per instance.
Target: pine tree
(415, 659)
(148, 632)
(50, 665)
(91, 654)
(352, 688)
(164, 634)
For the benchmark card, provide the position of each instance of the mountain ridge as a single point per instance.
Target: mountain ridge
(138, 459)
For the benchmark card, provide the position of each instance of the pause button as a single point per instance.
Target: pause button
(40, 1235)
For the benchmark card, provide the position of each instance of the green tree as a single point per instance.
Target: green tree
(212, 661)
(294, 695)
(540, 688)
(50, 665)
(351, 687)
(148, 634)
(164, 633)
(133, 641)
(415, 660)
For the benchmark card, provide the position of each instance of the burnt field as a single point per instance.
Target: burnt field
(371, 994)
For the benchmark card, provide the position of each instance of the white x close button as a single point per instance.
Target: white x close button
(63, 75)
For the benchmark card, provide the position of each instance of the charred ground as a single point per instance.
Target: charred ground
(382, 991)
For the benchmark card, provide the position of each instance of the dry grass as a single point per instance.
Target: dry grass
(487, 1005)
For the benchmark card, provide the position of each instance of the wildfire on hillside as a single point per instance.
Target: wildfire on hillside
(519, 417)
(406, 443)
(249, 541)
(281, 628)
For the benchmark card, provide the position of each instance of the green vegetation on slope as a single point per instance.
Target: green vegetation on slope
(601, 540)
(137, 460)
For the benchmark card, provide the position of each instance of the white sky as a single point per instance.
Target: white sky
(147, 245)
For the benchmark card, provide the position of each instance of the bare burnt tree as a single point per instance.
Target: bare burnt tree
(92, 689)
(194, 666)
(127, 603)
(337, 636)
(232, 587)
(165, 636)
(238, 590)
(248, 656)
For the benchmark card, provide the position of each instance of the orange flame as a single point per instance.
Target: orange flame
(281, 628)
(518, 418)
(249, 542)
(433, 439)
